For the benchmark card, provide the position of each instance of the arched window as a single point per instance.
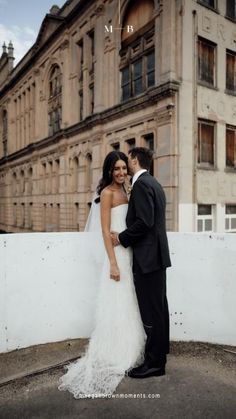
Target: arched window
(14, 184)
(54, 100)
(75, 174)
(22, 182)
(137, 62)
(30, 181)
(88, 171)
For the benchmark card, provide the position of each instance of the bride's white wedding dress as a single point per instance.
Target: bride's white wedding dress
(118, 339)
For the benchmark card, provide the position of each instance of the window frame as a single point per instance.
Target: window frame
(199, 79)
(230, 217)
(228, 88)
(213, 8)
(230, 128)
(203, 164)
(227, 15)
(55, 100)
(137, 47)
(204, 218)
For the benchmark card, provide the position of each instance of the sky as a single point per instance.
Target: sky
(20, 21)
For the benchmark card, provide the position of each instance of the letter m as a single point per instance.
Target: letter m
(108, 28)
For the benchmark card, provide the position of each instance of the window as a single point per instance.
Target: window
(206, 61)
(15, 214)
(231, 9)
(89, 174)
(22, 182)
(81, 59)
(137, 54)
(57, 176)
(54, 101)
(57, 217)
(130, 143)
(81, 77)
(92, 50)
(81, 104)
(30, 220)
(4, 132)
(22, 215)
(231, 71)
(75, 174)
(55, 81)
(138, 76)
(76, 216)
(115, 146)
(204, 218)
(230, 153)
(91, 90)
(150, 69)
(149, 143)
(206, 141)
(230, 218)
(125, 83)
(209, 3)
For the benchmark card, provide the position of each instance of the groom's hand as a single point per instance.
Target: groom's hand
(115, 238)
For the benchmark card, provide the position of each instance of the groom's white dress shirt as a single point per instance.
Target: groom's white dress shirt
(135, 177)
(137, 174)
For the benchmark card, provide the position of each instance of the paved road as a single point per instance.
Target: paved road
(195, 386)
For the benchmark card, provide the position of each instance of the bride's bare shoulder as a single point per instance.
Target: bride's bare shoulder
(106, 194)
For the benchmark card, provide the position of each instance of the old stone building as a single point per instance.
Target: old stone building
(111, 74)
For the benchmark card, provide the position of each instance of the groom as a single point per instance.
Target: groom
(146, 234)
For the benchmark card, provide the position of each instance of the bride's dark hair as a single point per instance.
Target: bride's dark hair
(107, 170)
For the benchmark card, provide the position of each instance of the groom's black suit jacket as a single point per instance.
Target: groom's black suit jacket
(146, 228)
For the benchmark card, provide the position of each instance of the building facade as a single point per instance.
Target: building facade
(112, 74)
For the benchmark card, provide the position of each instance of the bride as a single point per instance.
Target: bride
(118, 339)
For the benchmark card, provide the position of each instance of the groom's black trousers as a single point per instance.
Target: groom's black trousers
(151, 294)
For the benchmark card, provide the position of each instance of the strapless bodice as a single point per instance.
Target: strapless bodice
(118, 216)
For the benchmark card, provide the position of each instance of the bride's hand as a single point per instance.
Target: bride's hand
(114, 272)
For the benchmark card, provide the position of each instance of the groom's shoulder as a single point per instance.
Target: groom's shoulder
(148, 179)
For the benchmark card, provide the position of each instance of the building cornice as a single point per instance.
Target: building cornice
(148, 98)
(36, 50)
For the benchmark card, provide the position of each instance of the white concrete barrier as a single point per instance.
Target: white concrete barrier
(49, 281)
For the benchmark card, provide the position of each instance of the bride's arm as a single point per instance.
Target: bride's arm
(106, 204)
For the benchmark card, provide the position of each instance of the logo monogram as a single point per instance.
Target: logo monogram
(110, 28)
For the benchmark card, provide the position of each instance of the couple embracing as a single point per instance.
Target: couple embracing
(131, 333)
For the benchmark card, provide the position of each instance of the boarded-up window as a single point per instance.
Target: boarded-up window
(231, 9)
(231, 147)
(231, 71)
(206, 142)
(206, 61)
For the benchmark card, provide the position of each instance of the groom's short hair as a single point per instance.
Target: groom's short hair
(144, 156)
